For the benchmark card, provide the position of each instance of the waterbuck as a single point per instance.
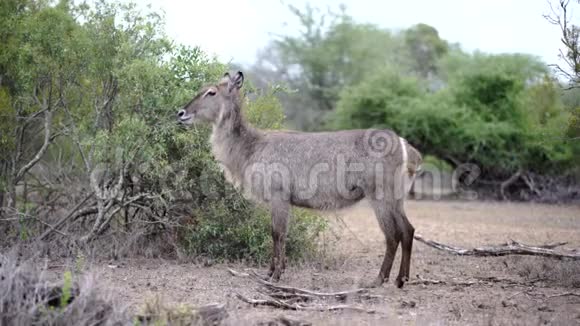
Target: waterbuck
(323, 170)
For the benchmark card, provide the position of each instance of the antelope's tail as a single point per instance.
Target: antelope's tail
(412, 161)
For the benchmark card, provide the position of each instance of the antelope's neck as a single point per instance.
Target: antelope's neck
(233, 143)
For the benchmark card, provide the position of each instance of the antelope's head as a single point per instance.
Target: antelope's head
(209, 104)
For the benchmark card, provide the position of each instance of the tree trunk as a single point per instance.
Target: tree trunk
(11, 199)
(1, 202)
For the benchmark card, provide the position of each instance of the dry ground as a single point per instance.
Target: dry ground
(355, 251)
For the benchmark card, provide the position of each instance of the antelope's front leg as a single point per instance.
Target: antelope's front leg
(280, 210)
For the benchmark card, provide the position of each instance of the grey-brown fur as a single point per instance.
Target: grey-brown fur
(326, 170)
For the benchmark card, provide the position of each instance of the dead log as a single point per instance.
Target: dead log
(509, 248)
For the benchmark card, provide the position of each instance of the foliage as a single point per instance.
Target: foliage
(111, 82)
(425, 48)
(505, 112)
(485, 116)
(331, 52)
(244, 233)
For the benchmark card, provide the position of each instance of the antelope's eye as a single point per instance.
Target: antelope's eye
(211, 92)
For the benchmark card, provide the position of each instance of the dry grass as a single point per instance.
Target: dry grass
(28, 297)
(526, 291)
(564, 274)
(351, 252)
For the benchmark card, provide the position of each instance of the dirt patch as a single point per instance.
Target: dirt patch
(508, 290)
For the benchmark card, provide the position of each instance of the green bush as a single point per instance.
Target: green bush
(114, 81)
(223, 232)
(484, 117)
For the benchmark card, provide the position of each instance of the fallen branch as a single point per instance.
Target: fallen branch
(510, 248)
(423, 281)
(296, 306)
(341, 295)
(238, 274)
(477, 281)
(288, 289)
(291, 298)
(546, 296)
(567, 294)
(267, 302)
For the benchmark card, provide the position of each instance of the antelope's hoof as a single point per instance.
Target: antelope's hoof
(400, 281)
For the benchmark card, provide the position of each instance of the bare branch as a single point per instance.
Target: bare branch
(106, 222)
(337, 295)
(509, 182)
(510, 248)
(77, 141)
(41, 151)
(238, 274)
(291, 298)
(296, 306)
(73, 213)
(570, 39)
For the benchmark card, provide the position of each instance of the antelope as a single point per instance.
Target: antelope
(318, 170)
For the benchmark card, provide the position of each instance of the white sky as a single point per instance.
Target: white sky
(236, 29)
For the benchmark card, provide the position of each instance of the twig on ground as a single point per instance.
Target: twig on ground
(238, 274)
(531, 293)
(567, 294)
(296, 306)
(267, 302)
(291, 298)
(478, 281)
(544, 246)
(510, 248)
(423, 281)
(338, 295)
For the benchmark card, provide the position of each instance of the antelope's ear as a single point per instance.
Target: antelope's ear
(226, 79)
(238, 81)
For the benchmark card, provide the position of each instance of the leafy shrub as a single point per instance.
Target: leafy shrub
(119, 81)
(244, 233)
(485, 117)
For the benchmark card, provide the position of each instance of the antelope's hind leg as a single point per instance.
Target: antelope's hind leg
(407, 232)
(386, 217)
